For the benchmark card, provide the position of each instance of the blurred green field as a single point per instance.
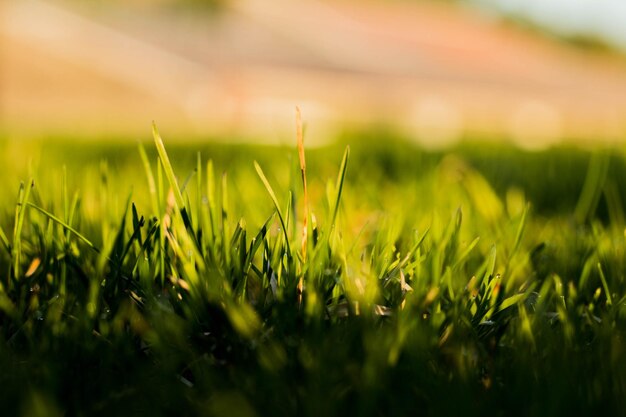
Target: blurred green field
(483, 279)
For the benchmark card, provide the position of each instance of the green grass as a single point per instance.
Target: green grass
(162, 281)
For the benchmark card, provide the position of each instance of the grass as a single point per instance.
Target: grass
(149, 282)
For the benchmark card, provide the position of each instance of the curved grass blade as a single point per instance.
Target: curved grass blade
(171, 177)
(65, 226)
(270, 191)
(167, 167)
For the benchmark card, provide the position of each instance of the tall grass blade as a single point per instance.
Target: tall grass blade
(167, 167)
(520, 231)
(19, 223)
(210, 174)
(302, 160)
(152, 189)
(171, 177)
(224, 217)
(270, 191)
(592, 188)
(339, 186)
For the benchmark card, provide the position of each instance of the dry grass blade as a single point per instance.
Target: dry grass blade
(33, 267)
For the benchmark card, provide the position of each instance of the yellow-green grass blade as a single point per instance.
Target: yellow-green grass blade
(167, 167)
(520, 231)
(210, 173)
(171, 178)
(65, 226)
(339, 186)
(5, 241)
(19, 222)
(270, 191)
(459, 260)
(592, 188)
(151, 183)
(605, 285)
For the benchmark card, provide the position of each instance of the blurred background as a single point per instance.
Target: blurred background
(528, 71)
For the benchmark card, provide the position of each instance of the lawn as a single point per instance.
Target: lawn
(202, 279)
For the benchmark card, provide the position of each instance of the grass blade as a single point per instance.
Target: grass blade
(465, 253)
(592, 188)
(339, 186)
(270, 191)
(167, 167)
(171, 178)
(210, 174)
(5, 241)
(605, 285)
(151, 183)
(19, 222)
(65, 226)
(520, 231)
(302, 159)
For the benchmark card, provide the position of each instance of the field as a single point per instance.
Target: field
(205, 279)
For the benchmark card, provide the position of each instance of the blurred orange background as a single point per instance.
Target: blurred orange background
(438, 71)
